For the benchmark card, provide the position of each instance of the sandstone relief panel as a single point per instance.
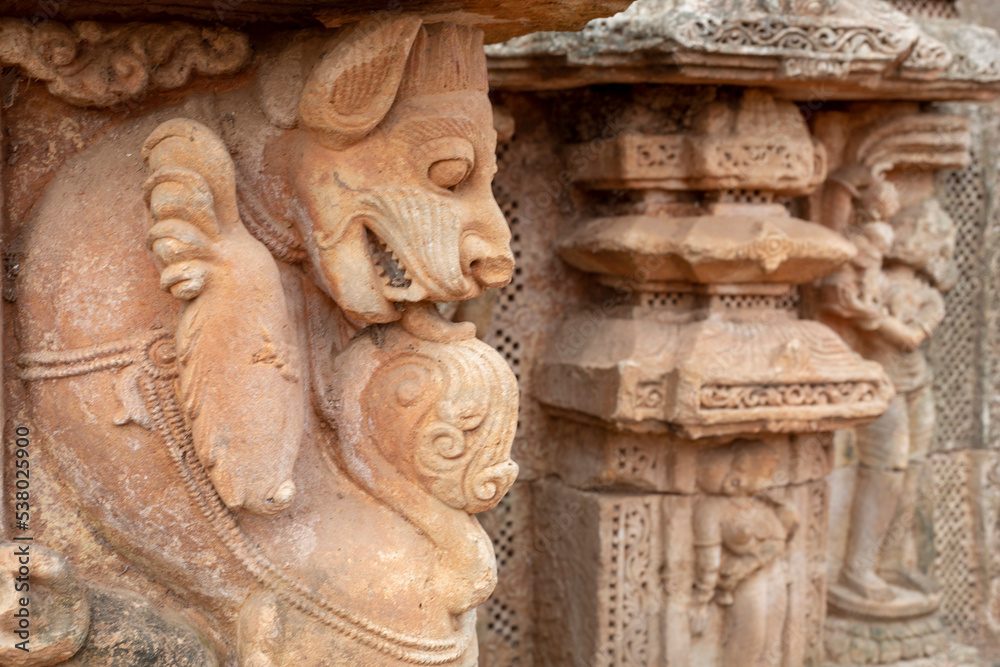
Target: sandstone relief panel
(680, 206)
(888, 302)
(255, 286)
(740, 540)
(697, 410)
(255, 432)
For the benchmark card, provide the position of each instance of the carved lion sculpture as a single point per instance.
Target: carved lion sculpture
(274, 459)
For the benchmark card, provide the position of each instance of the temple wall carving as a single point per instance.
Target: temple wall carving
(953, 508)
(222, 323)
(501, 335)
(963, 500)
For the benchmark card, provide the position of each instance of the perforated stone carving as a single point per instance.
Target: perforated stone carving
(316, 206)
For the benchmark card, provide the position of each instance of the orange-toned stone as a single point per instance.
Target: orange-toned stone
(270, 444)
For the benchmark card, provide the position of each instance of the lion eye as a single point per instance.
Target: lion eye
(449, 173)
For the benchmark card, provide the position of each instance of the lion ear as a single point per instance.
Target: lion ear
(352, 87)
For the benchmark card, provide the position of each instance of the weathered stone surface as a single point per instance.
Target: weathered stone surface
(126, 629)
(683, 383)
(712, 344)
(758, 143)
(647, 559)
(235, 261)
(887, 302)
(93, 64)
(626, 180)
(851, 49)
(229, 345)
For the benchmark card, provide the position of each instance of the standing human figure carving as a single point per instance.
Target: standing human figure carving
(917, 266)
(741, 536)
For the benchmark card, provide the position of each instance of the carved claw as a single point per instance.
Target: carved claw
(186, 207)
(176, 192)
(186, 156)
(185, 253)
(184, 280)
(239, 380)
(56, 619)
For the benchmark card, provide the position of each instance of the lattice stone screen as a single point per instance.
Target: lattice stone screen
(955, 347)
(962, 493)
(531, 196)
(505, 620)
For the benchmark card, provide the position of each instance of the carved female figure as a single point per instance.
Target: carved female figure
(741, 535)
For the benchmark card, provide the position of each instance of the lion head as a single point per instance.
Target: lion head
(388, 150)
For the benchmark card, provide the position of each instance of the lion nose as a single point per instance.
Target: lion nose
(490, 263)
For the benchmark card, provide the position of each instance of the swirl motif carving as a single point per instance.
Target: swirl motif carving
(747, 397)
(780, 33)
(99, 65)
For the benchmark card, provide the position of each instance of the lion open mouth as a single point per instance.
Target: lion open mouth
(386, 262)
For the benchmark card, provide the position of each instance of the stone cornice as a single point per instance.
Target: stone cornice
(846, 50)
